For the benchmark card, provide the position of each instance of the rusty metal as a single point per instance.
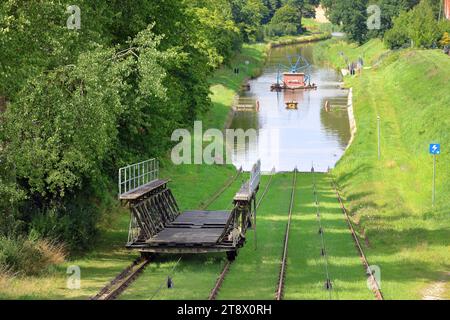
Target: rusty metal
(226, 268)
(282, 276)
(215, 290)
(375, 286)
(120, 283)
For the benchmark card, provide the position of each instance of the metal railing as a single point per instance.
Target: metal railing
(255, 177)
(136, 175)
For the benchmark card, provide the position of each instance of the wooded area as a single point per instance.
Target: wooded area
(84, 102)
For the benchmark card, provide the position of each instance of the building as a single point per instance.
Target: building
(447, 9)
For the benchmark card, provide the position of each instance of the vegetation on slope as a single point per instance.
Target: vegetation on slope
(390, 199)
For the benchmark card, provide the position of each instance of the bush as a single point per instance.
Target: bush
(5, 276)
(286, 21)
(73, 223)
(28, 257)
(417, 26)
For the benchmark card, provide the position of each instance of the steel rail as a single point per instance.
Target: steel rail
(373, 281)
(324, 252)
(282, 275)
(122, 281)
(215, 291)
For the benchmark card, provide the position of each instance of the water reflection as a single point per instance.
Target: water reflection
(294, 138)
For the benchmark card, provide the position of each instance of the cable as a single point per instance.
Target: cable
(162, 284)
(328, 283)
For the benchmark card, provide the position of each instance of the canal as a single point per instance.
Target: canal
(294, 138)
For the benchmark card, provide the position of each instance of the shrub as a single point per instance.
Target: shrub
(5, 276)
(28, 257)
(286, 21)
(73, 223)
(417, 26)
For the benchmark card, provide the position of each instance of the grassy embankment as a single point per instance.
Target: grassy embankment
(109, 256)
(390, 199)
(315, 31)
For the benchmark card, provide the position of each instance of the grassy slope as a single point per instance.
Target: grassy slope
(330, 52)
(390, 200)
(109, 257)
(225, 85)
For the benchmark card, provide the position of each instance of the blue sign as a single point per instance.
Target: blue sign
(435, 148)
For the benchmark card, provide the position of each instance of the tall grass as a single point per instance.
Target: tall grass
(29, 257)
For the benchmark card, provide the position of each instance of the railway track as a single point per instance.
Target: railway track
(226, 268)
(282, 276)
(216, 196)
(373, 281)
(122, 281)
(324, 253)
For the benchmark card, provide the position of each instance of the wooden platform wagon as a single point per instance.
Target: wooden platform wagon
(158, 226)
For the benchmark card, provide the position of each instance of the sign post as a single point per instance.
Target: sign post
(379, 137)
(435, 150)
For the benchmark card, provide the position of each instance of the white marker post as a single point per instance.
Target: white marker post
(379, 137)
(434, 180)
(435, 149)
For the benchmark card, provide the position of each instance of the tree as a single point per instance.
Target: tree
(272, 6)
(418, 27)
(352, 14)
(286, 21)
(248, 16)
(217, 34)
(34, 37)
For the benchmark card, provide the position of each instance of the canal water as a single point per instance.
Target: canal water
(287, 139)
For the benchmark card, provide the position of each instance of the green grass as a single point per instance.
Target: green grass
(329, 52)
(306, 268)
(312, 25)
(254, 274)
(225, 85)
(109, 256)
(291, 40)
(390, 200)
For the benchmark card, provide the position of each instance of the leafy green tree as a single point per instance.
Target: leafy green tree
(286, 21)
(34, 37)
(248, 16)
(309, 8)
(352, 14)
(417, 27)
(217, 34)
(62, 123)
(85, 102)
(272, 6)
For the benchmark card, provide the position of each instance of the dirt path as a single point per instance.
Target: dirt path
(320, 15)
(437, 290)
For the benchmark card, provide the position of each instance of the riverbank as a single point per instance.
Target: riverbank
(291, 40)
(390, 199)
